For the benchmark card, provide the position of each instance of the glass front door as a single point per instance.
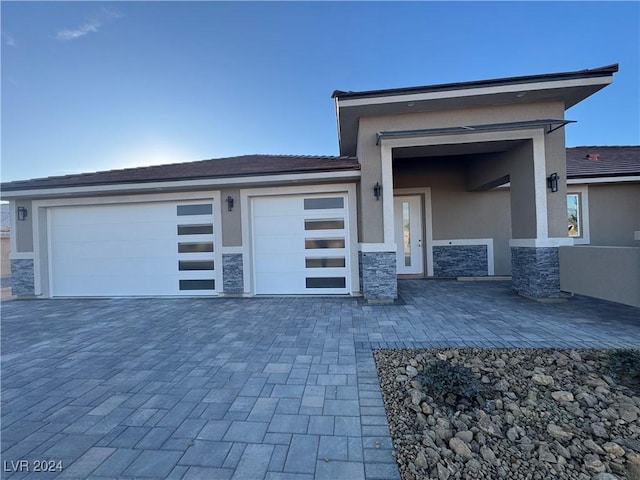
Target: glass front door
(408, 234)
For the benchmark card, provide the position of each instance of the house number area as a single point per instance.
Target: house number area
(32, 466)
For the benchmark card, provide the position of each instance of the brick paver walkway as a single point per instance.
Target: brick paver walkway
(261, 388)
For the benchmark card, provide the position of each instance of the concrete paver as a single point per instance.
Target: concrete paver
(262, 388)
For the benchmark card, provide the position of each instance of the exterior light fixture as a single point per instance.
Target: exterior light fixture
(229, 203)
(22, 213)
(552, 182)
(377, 190)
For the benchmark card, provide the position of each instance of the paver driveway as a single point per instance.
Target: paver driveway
(275, 388)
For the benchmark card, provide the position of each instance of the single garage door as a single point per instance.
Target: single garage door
(301, 244)
(162, 248)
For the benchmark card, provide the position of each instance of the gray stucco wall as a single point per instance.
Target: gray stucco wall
(614, 214)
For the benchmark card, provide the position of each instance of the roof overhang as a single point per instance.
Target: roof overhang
(569, 87)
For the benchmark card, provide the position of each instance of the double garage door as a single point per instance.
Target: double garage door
(164, 248)
(299, 245)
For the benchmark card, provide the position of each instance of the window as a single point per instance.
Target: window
(578, 214)
(326, 282)
(324, 262)
(573, 214)
(195, 247)
(313, 243)
(197, 284)
(200, 209)
(323, 203)
(195, 265)
(195, 229)
(324, 224)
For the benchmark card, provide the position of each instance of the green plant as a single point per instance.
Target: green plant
(625, 366)
(442, 378)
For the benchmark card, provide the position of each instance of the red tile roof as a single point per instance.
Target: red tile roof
(586, 162)
(246, 165)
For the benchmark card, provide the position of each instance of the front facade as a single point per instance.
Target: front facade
(444, 181)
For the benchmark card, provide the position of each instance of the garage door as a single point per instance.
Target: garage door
(132, 249)
(301, 244)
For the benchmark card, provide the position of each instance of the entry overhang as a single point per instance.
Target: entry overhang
(551, 124)
(568, 87)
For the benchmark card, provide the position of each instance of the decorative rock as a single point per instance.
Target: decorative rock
(562, 396)
(411, 371)
(426, 408)
(421, 418)
(559, 433)
(421, 460)
(545, 455)
(587, 399)
(593, 446)
(465, 435)
(487, 426)
(488, 455)
(593, 463)
(628, 413)
(443, 472)
(401, 378)
(575, 356)
(614, 449)
(544, 380)
(473, 465)
(604, 476)
(599, 430)
(461, 448)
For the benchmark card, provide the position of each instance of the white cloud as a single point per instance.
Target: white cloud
(8, 39)
(82, 30)
(90, 26)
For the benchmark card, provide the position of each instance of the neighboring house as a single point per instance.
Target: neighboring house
(603, 195)
(413, 193)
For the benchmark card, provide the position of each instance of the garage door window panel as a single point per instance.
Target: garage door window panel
(324, 262)
(316, 243)
(194, 209)
(199, 247)
(203, 229)
(200, 284)
(323, 203)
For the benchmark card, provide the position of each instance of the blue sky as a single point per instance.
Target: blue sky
(92, 86)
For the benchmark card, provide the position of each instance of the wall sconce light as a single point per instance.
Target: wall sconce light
(377, 190)
(552, 182)
(229, 203)
(22, 213)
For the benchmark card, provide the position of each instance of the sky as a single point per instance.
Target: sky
(90, 86)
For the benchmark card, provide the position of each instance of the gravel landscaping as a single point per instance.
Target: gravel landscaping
(516, 414)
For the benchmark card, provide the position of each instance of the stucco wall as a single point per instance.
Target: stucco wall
(370, 213)
(231, 220)
(614, 214)
(5, 247)
(457, 213)
(24, 228)
(610, 273)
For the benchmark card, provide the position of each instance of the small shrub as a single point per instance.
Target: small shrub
(625, 366)
(442, 378)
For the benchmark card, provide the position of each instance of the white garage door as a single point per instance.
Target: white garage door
(301, 244)
(132, 249)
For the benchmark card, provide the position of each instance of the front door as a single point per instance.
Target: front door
(408, 234)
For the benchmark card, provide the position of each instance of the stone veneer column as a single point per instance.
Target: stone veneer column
(535, 271)
(378, 274)
(232, 273)
(22, 277)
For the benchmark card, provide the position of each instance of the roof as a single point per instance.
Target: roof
(246, 165)
(603, 161)
(570, 88)
(546, 77)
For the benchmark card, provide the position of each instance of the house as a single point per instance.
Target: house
(413, 192)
